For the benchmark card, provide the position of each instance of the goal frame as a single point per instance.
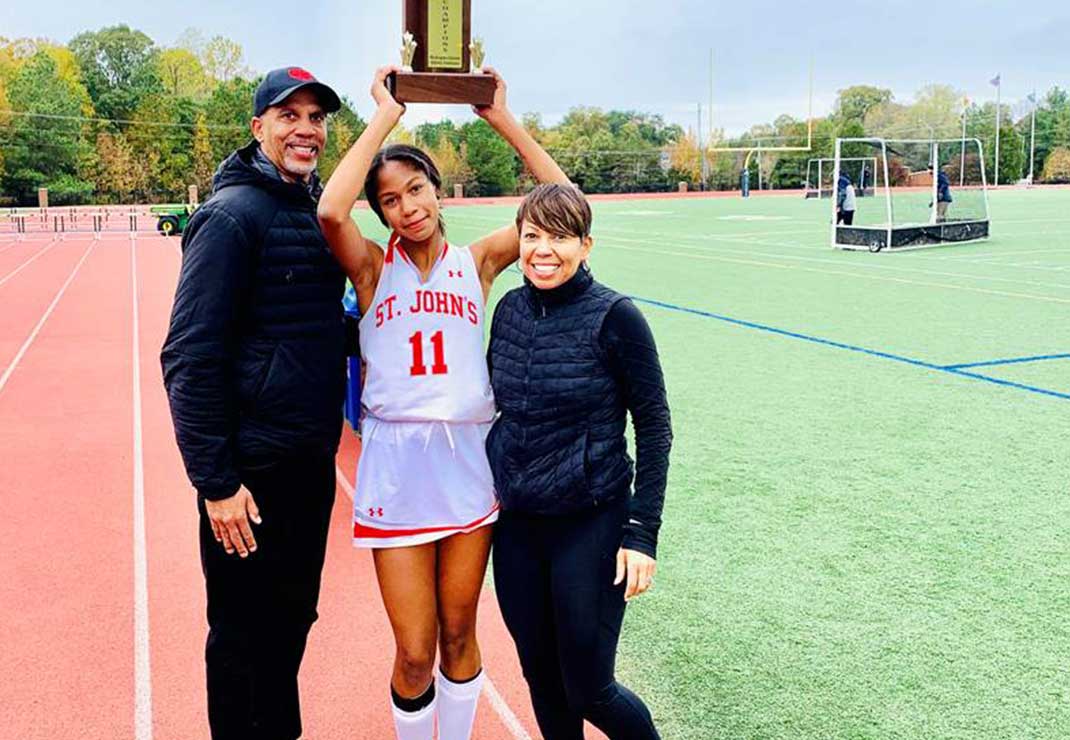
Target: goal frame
(818, 191)
(892, 237)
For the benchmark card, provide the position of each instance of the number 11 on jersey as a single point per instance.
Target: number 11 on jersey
(438, 344)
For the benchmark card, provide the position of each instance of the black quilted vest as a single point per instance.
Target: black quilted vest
(558, 446)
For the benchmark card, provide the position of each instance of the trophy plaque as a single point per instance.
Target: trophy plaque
(441, 63)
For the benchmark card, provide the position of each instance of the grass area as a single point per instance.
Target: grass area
(854, 546)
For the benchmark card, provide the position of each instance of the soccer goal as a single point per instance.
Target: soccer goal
(820, 182)
(927, 193)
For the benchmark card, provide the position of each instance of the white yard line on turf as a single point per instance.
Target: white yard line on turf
(814, 231)
(1036, 266)
(1033, 221)
(48, 312)
(27, 263)
(884, 278)
(142, 669)
(872, 264)
(702, 243)
(1008, 253)
(497, 703)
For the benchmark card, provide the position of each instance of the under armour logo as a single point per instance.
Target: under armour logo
(456, 273)
(375, 512)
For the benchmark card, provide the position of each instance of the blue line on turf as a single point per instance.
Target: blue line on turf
(1010, 384)
(854, 348)
(951, 370)
(1010, 361)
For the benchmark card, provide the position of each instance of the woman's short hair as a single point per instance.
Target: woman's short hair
(558, 209)
(413, 156)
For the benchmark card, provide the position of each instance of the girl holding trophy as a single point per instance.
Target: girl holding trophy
(425, 498)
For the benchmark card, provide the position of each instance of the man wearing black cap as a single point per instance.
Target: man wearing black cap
(254, 369)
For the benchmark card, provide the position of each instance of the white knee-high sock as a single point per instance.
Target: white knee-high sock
(457, 706)
(417, 725)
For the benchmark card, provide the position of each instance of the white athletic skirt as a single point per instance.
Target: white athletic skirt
(418, 482)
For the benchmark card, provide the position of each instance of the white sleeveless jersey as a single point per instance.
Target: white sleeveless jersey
(422, 342)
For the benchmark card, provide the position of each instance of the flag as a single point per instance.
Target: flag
(994, 81)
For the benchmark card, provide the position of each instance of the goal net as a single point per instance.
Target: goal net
(820, 175)
(926, 193)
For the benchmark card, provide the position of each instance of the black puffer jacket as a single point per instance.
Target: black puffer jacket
(558, 446)
(254, 358)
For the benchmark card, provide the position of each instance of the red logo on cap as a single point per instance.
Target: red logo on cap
(300, 74)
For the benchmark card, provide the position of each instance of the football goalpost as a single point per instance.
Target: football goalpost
(819, 175)
(927, 192)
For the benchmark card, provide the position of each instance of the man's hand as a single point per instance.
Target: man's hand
(639, 569)
(230, 522)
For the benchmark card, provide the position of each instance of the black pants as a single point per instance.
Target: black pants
(260, 609)
(554, 580)
(845, 217)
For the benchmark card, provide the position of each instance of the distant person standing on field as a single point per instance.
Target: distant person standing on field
(845, 200)
(943, 195)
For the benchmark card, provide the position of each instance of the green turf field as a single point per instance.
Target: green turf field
(856, 544)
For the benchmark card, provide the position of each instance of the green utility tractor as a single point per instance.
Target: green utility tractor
(172, 218)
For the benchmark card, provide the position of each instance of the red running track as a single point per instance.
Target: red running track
(101, 593)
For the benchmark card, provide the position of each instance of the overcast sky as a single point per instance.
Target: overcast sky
(649, 55)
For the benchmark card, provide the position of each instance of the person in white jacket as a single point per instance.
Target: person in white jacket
(845, 201)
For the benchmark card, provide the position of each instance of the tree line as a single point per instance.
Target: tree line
(936, 112)
(113, 117)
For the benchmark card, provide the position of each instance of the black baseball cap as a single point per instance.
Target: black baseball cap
(279, 84)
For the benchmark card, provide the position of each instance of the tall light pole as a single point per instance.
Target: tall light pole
(962, 161)
(1032, 135)
(709, 112)
(996, 81)
(703, 151)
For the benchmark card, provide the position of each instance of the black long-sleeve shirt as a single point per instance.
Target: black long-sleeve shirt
(633, 360)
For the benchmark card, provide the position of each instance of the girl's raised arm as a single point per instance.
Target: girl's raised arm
(496, 251)
(359, 257)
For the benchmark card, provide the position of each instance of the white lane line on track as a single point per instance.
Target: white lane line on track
(497, 703)
(27, 263)
(142, 668)
(344, 482)
(508, 718)
(48, 312)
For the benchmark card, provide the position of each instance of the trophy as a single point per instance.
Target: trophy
(441, 62)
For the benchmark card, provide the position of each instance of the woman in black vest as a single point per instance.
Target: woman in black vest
(570, 358)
